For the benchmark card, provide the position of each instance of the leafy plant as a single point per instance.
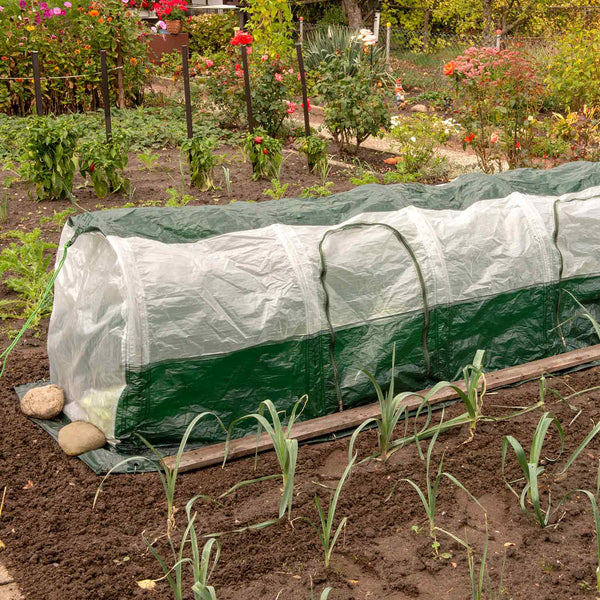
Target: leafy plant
(532, 469)
(264, 152)
(60, 218)
(210, 33)
(366, 178)
(104, 162)
(227, 178)
(24, 270)
(271, 24)
(202, 160)
(149, 158)
(278, 189)
(3, 208)
(317, 190)
(429, 496)
(327, 536)
(176, 199)
(48, 159)
(286, 448)
(315, 149)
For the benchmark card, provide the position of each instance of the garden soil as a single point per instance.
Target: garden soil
(57, 546)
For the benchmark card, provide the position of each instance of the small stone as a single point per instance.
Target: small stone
(420, 108)
(79, 437)
(44, 402)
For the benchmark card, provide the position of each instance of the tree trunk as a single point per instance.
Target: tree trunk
(353, 13)
(426, 20)
(487, 22)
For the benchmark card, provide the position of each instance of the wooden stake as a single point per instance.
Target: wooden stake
(247, 88)
(35, 59)
(348, 419)
(304, 92)
(105, 96)
(186, 90)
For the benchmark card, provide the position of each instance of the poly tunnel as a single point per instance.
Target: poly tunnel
(160, 314)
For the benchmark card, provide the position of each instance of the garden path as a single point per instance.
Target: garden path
(8, 588)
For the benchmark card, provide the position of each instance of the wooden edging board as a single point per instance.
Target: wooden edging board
(305, 430)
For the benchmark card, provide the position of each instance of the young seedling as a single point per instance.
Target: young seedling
(327, 536)
(168, 475)
(149, 158)
(481, 583)
(532, 469)
(286, 448)
(429, 496)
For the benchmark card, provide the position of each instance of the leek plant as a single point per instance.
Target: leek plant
(532, 469)
(327, 536)
(286, 448)
(428, 496)
(393, 408)
(593, 498)
(202, 561)
(168, 475)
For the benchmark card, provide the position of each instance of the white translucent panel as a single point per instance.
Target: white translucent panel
(87, 333)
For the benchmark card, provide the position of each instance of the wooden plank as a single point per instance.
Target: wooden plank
(213, 455)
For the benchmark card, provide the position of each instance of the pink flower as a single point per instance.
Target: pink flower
(291, 109)
(291, 71)
(299, 78)
(494, 137)
(264, 57)
(209, 63)
(56, 10)
(278, 77)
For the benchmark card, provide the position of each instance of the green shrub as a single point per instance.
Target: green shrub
(573, 77)
(48, 159)
(354, 107)
(210, 33)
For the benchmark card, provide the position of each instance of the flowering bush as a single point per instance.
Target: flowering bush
(68, 35)
(495, 93)
(170, 10)
(264, 152)
(210, 33)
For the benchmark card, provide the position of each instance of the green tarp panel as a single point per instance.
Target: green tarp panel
(160, 314)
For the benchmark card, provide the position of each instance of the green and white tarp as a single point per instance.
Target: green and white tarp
(162, 313)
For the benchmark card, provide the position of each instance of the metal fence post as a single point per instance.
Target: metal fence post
(376, 22)
(304, 92)
(388, 33)
(301, 30)
(498, 38)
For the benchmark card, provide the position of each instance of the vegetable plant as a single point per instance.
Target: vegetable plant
(24, 270)
(48, 161)
(315, 150)
(104, 162)
(532, 468)
(264, 152)
(327, 536)
(429, 495)
(393, 408)
(201, 158)
(286, 448)
(149, 158)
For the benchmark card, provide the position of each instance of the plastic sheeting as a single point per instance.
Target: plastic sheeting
(159, 315)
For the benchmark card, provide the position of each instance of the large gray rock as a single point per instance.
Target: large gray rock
(43, 402)
(79, 437)
(420, 108)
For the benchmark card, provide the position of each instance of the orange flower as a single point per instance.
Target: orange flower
(94, 13)
(87, 47)
(100, 20)
(449, 68)
(109, 20)
(77, 51)
(3, 57)
(133, 60)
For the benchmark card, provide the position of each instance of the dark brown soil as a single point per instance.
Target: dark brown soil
(57, 547)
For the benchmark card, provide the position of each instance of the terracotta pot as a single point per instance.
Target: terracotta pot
(173, 26)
